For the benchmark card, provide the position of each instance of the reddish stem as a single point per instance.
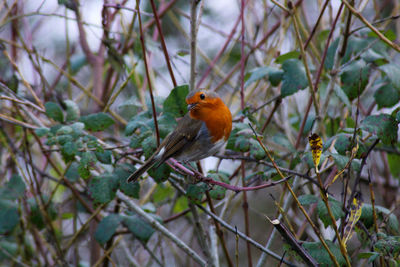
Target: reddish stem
(164, 47)
(257, 46)
(173, 163)
(217, 57)
(148, 73)
(303, 123)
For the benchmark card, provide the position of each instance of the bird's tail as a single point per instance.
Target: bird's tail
(147, 165)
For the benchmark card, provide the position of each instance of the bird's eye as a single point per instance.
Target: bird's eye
(202, 96)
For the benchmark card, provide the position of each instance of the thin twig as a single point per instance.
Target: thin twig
(153, 106)
(193, 43)
(317, 232)
(371, 27)
(318, 76)
(154, 223)
(179, 167)
(316, 24)
(164, 47)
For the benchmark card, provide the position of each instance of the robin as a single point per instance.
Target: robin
(201, 133)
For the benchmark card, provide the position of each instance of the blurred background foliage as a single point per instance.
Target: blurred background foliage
(77, 103)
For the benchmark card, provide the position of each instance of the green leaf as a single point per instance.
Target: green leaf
(163, 191)
(77, 61)
(309, 124)
(343, 143)
(256, 150)
(242, 144)
(97, 122)
(42, 131)
(398, 115)
(72, 173)
(8, 250)
(83, 171)
(306, 200)
(88, 158)
(103, 188)
(294, 77)
(393, 73)
(341, 95)
(319, 253)
(383, 125)
(77, 128)
(388, 34)
(149, 207)
(161, 173)
(195, 192)
(388, 246)
(67, 216)
(368, 255)
(140, 121)
(54, 111)
(36, 214)
(138, 227)
(73, 111)
(371, 56)
(181, 204)
(149, 145)
(104, 157)
(394, 165)
(354, 78)
(274, 75)
(13, 189)
(355, 45)
(282, 140)
(175, 103)
(9, 216)
(340, 160)
(122, 172)
(13, 83)
(106, 228)
(386, 96)
(69, 150)
(336, 208)
(392, 224)
(183, 52)
(65, 130)
(292, 54)
(218, 192)
(330, 56)
(71, 4)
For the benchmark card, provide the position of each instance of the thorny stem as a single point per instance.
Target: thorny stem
(179, 167)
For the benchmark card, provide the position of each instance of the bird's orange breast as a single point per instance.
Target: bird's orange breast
(217, 118)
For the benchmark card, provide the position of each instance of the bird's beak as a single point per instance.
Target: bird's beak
(191, 106)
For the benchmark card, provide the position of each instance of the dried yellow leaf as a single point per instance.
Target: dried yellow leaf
(355, 214)
(316, 148)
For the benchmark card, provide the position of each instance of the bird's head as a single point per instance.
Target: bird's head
(202, 98)
(208, 106)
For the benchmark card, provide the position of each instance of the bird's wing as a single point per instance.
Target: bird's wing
(185, 132)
